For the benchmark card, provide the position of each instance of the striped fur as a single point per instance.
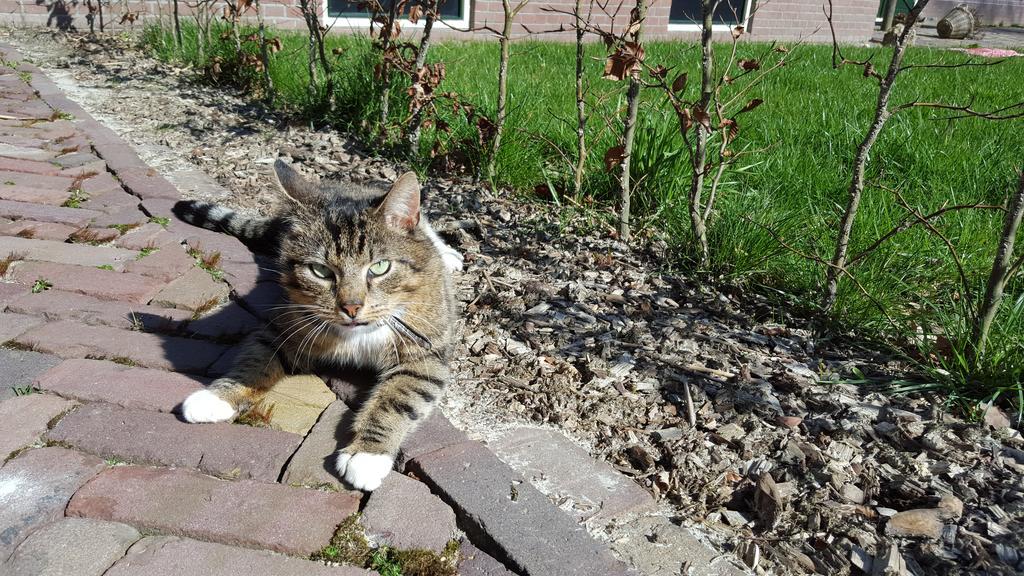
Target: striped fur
(400, 323)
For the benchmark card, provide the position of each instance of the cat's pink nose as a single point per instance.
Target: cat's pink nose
(351, 309)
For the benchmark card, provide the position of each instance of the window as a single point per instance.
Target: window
(686, 14)
(452, 11)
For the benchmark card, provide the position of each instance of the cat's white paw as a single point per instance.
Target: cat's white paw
(205, 406)
(363, 470)
(453, 260)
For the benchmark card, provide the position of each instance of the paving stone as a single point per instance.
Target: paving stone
(39, 230)
(9, 151)
(166, 264)
(228, 321)
(23, 419)
(114, 151)
(42, 213)
(298, 403)
(244, 513)
(175, 556)
(21, 178)
(128, 216)
(146, 183)
(101, 183)
(29, 194)
(103, 381)
(29, 166)
(475, 562)
(35, 488)
(69, 339)
(508, 517)
(9, 292)
(389, 513)
(146, 437)
(195, 290)
(435, 433)
(592, 489)
(71, 547)
(60, 305)
(313, 463)
(75, 159)
(14, 325)
(92, 281)
(111, 201)
(656, 547)
(63, 253)
(19, 369)
(243, 277)
(209, 242)
(149, 235)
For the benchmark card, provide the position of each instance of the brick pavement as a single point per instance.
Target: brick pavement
(107, 324)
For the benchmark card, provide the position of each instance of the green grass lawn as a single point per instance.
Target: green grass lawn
(811, 121)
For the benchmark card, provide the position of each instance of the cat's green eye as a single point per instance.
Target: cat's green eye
(321, 271)
(380, 267)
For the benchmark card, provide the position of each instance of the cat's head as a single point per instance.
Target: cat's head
(355, 260)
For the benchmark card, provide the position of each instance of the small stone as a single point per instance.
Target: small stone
(791, 422)
(730, 432)
(950, 507)
(853, 494)
(734, 518)
(917, 523)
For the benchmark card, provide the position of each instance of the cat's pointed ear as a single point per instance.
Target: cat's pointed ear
(401, 207)
(292, 184)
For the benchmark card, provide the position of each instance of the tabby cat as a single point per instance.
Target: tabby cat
(367, 284)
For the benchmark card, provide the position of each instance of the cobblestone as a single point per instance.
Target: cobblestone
(242, 513)
(24, 419)
(145, 437)
(101, 283)
(69, 339)
(174, 556)
(35, 487)
(71, 547)
(102, 381)
(19, 369)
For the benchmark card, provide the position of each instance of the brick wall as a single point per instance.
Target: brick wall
(775, 20)
(992, 12)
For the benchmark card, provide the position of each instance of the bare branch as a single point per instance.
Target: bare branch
(968, 63)
(907, 224)
(966, 111)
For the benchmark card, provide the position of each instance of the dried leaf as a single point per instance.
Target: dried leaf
(751, 105)
(679, 84)
(738, 31)
(624, 62)
(702, 118)
(414, 13)
(685, 120)
(748, 64)
(613, 157)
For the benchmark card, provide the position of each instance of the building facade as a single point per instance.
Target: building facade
(787, 20)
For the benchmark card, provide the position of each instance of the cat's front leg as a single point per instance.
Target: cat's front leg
(404, 398)
(255, 371)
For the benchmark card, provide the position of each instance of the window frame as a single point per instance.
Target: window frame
(695, 27)
(363, 22)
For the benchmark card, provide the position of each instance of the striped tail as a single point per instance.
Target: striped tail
(260, 234)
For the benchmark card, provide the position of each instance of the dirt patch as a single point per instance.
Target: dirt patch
(719, 402)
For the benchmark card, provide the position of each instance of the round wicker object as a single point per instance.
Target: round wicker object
(959, 23)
